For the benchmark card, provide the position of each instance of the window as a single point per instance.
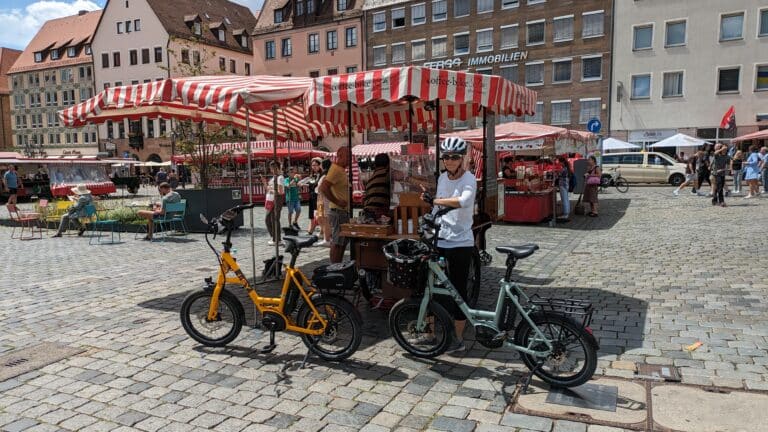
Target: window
(439, 10)
(35, 100)
(55, 54)
(341, 5)
(18, 101)
(221, 34)
(351, 69)
(120, 27)
(54, 138)
(379, 21)
(728, 80)
(643, 37)
(591, 68)
(51, 98)
(350, 37)
(509, 37)
(331, 40)
(561, 71)
(460, 8)
(104, 60)
(673, 84)
(66, 75)
(151, 128)
(85, 72)
(185, 56)
(398, 53)
(538, 116)
(196, 58)
(313, 43)
(300, 8)
(418, 14)
(675, 35)
(314, 74)
(232, 66)
(286, 48)
(144, 55)
(137, 25)
(484, 6)
(592, 24)
(588, 109)
(106, 85)
(310, 7)
(118, 83)
(38, 57)
(197, 28)
(484, 40)
(461, 44)
(133, 57)
(278, 16)
(530, 2)
(128, 26)
(439, 46)
(534, 73)
(641, 86)
(248, 69)
(507, 4)
(563, 29)
(561, 112)
(88, 50)
(116, 59)
(379, 55)
(34, 79)
(762, 26)
(398, 18)
(71, 52)
(631, 159)
(158, 54)
(85, 93)
(418, 50)
(509, 73)
(269, 50)
(535, 33)
(732, 26)
(761, 78)
(222, 64)
(68, 97)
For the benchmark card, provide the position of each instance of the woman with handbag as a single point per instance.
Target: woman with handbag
(593, 176)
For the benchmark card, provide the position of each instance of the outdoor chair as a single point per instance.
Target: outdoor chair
(24, 220)
(98, 225)
(173, 219)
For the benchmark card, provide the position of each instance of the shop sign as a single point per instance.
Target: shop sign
(534, 144)
(650, 135)
(483, 60)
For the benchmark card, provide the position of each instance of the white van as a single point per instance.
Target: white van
(646, 167)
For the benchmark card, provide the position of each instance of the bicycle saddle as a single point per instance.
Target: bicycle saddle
(298, 242)
(519, 252)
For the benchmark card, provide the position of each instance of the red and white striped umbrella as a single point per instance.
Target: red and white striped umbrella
(214, 99)
(380, 98)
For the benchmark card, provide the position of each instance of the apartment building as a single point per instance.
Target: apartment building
(53, 72)
(560, 48)
(139, 41)
(679, 66)
(8, 57)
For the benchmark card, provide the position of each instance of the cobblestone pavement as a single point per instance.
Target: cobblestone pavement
(664, 272)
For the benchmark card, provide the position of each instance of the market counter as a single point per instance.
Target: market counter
(527, 206)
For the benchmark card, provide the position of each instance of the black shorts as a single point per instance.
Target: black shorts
(12, 191)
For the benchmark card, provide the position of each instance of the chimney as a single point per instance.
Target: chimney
(82, 12)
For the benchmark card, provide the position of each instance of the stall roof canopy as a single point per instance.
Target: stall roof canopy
(514, 131)
(759, 135)
(679, 140)
(617, 144)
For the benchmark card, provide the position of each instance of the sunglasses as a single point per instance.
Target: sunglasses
(453, 157)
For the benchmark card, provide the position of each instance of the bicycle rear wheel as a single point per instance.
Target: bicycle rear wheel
(574, 357)
(219, 332)
(622, 185)
(343, 332)
(428, 343)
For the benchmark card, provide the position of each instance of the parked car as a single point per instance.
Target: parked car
(646, 167)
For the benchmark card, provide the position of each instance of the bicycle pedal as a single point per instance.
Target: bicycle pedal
(268, 349)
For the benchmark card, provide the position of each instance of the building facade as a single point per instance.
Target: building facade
(7, 59)
(678, 69)
(139, 41)
(53, 72)
(560, 48)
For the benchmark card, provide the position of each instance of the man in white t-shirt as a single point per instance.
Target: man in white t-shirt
(456, 187)
(273, 203)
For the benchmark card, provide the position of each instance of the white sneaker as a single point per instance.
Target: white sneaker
(271, 242)
(320, 243)
(748, 197)
(676, 192)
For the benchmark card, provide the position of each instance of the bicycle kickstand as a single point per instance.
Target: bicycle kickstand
(271, 347)
(529, 377)
(309, 352)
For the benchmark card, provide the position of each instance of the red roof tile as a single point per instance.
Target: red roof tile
(7, 59)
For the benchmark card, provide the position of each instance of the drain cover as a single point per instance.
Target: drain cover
(592, 396)
(658, 372)
(28, 359)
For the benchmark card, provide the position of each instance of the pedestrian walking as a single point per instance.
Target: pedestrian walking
(752, 172)
(173, 179)
(316, 169)
(736, 170)
(273, 202)
(720, 163)
(764, 168)
(702, 170)
(564, 181)
(161, 177)
(689, 176)
(592, 183)
(11, 183)
(292, 198)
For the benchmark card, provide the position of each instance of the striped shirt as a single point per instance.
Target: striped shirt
(377, 191)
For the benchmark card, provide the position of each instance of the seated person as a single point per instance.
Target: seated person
(77, 210)
(169, 197)
(509, 171)
(377, 193)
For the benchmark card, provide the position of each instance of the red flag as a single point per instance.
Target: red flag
(729, 119)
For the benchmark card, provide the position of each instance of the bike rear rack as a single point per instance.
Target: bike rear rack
(580, 310)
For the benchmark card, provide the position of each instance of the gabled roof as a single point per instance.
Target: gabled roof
(175, 15)
(325, 12)
(59, 33)
(7, 59)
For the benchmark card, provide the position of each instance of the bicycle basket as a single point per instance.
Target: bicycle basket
(405, 263)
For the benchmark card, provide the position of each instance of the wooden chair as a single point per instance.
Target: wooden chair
(406, 215)
(25, 221)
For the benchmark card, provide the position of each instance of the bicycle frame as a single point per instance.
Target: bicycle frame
(270, 304)
(478, 316)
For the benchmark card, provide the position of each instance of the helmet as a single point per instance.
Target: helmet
(453, 145)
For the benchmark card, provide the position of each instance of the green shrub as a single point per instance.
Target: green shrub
(123, 215)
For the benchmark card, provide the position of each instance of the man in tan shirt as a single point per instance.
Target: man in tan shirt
(336, 188)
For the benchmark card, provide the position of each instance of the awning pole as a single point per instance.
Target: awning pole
(437, 140)
(276, 233)
(250, 189)
(349, 146)
(410, 121)
(484, 183)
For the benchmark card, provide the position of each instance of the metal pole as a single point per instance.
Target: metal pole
(250, 189)
(410, 121)
(437, 139)
(484, 183)
(349, 147)
(276, 233)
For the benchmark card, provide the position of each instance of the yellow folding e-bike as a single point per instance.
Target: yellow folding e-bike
(328, 323)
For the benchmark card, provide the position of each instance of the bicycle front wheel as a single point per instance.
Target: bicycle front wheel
(430, 342)
(343, 331)
(218, 332)
(574, 357)
(622, 185)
